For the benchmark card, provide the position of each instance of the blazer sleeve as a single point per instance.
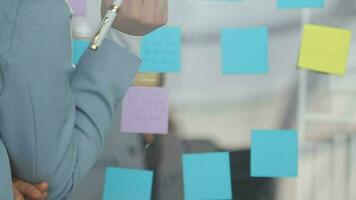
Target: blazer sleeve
(99, 84)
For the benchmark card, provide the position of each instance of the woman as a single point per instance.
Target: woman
(53, 119)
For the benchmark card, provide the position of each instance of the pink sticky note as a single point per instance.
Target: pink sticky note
(79, 7)
(145, 110)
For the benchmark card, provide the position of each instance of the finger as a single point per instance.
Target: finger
(162, 7)
(136, 2)
(42, 187)
(132, 4)
(156, 12)
(130, 9)
(28, 189)
(149, 8)
(17, 194)
(162, 11)
(44, 196)
(135, 8)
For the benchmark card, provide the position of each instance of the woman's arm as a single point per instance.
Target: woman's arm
(138, 17)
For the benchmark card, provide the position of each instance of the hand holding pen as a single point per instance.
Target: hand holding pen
(135, 17)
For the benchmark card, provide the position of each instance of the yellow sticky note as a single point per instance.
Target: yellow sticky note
(325, 49)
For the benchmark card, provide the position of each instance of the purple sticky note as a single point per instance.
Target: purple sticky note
(79, 7)
(145, 110)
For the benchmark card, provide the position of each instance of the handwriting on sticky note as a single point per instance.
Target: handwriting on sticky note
(145, 110)
(274, 153)
(79, 7)
(325, 49)
(245, 50)
(207, 176)
(160, 50)
(127, 184)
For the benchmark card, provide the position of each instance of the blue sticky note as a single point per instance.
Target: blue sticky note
(274, 153)
(245, 50)
(127, 184)
(78, 49)
(160, 50)
(207, 176)
(300, 4)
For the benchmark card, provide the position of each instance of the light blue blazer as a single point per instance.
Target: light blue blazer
(54, 118)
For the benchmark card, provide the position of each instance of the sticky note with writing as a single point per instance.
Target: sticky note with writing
(145, 110)
(127, 184)
(207, 176)
(78, 7)
(300, 3)
(160, 50)
(274, 153)
(325, 49)
(245, 50)
(78, 48)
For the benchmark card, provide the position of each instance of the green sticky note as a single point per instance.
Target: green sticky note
(127, 184)
(325, 49)
(78, 49)
(160, 50)
(207, 176)
(274, 153)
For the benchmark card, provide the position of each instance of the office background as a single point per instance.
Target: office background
(210, 111)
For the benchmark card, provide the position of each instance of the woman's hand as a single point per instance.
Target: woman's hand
(22, 189)
(139, 17)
